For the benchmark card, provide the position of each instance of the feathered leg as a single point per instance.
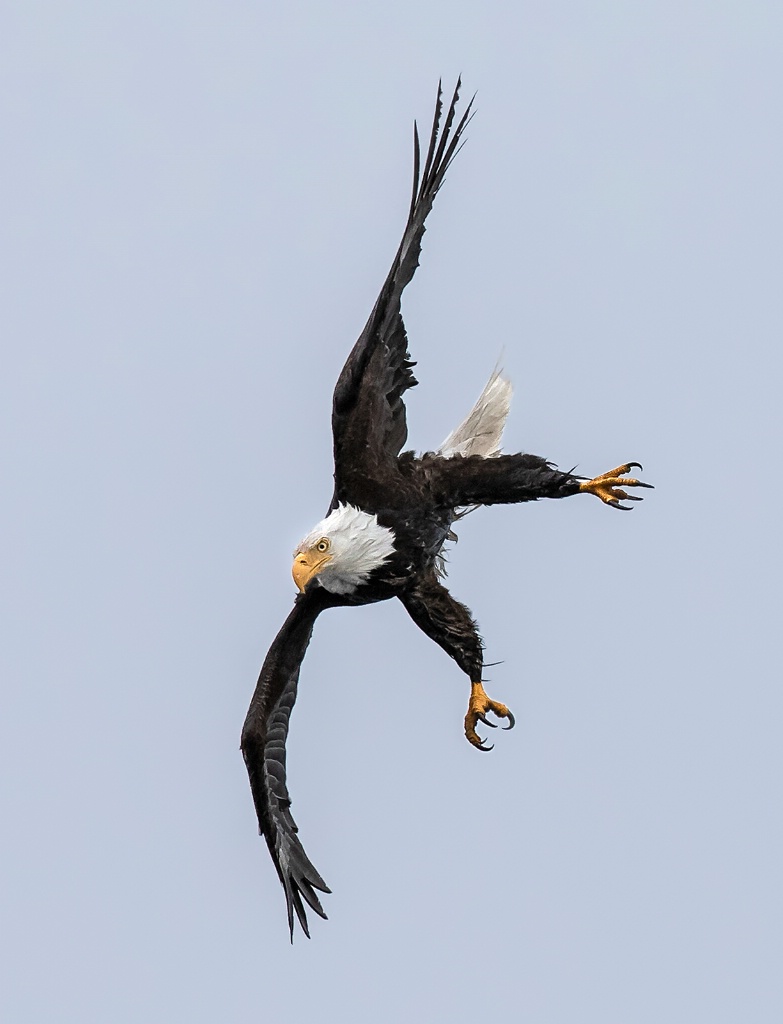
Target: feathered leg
(451, 626)
(461, 481)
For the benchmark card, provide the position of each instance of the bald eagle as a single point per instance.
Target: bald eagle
(390, 515)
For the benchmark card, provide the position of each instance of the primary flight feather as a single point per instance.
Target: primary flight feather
(390, 515)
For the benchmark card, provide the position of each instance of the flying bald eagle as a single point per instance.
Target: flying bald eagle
(389, 518)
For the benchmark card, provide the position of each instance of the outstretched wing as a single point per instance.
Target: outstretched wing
(368, 413)
(263, 747)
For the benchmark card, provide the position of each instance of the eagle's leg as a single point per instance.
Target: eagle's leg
(609, 487)
(506, 479)
(451, 626)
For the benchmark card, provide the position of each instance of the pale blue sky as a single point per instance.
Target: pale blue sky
(199, 204)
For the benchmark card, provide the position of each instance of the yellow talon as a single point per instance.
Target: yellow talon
(609, 486)
(478, 706)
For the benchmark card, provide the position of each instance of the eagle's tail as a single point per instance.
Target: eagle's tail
(481, 430)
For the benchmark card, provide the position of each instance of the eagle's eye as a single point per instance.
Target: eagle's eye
(322, 545)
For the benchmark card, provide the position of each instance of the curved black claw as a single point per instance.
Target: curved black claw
(511, 722)
(481, 747)
(610, 487)
(479, 706)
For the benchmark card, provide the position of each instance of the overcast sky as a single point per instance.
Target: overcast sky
(199, 204)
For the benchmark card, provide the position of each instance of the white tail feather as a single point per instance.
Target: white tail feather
(479, 433)
(481, 430)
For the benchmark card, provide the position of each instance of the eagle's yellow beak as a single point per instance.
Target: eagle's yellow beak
(306, 565)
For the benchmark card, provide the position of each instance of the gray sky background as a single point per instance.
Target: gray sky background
(199, 203)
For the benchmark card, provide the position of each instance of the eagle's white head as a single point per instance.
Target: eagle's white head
(342, 550)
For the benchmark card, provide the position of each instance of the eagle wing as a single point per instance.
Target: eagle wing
(368, 413)
(263, 747)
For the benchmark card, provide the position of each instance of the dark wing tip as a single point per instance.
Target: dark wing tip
(299, 880)
(294, 891)
(416, 167)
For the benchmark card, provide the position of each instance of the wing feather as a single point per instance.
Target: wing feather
(263, 743)
(368, 413)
